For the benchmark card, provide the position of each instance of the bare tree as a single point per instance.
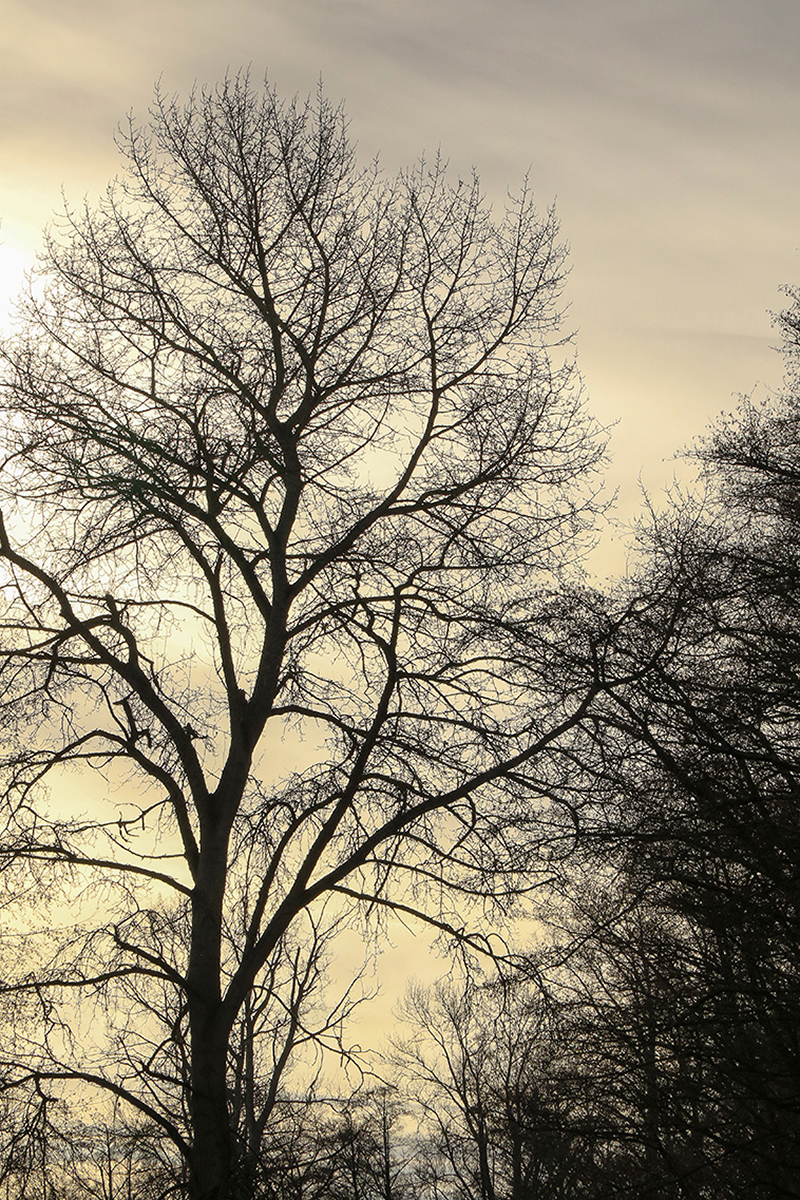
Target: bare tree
(288, 456)
(504, 1112)
(703, 955)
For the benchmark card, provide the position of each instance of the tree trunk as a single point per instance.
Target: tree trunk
(211, 1164)
(212, 1157)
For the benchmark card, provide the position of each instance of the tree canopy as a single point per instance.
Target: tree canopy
(291, 452)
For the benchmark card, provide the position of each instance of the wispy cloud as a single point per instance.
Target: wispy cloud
(669, 130)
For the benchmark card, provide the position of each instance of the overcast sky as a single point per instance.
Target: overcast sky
(666, 130)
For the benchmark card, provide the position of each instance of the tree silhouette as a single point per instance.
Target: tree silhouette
(707, 830)
(508, 1109)
(289, 455)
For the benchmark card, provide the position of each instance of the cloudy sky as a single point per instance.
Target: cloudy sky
(666, 130)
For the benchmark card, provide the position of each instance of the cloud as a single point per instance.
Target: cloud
(668, 129)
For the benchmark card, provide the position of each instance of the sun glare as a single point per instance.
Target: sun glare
(15, 260)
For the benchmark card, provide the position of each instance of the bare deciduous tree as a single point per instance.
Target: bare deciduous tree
(289, 455)
(705, 835)
(507, 1112)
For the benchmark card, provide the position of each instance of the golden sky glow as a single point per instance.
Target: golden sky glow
(667, 130)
